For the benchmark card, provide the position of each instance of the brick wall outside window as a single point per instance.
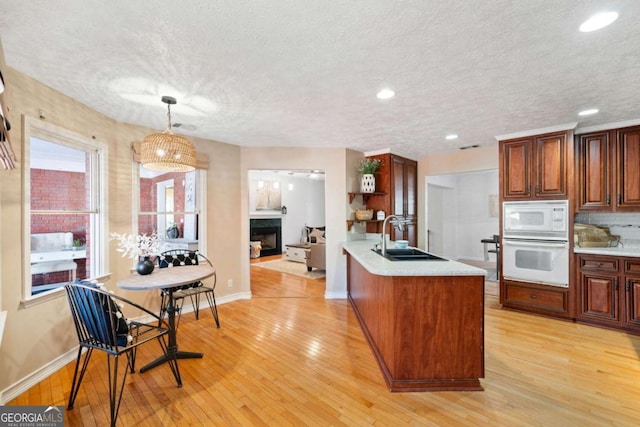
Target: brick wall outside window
(60, 190)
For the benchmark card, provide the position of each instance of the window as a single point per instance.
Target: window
(171, 205)
(65, 222)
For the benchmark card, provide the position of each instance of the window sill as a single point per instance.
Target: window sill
(34, 300)
(42, 298)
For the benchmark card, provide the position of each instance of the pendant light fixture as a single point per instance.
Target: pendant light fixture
(166, 151)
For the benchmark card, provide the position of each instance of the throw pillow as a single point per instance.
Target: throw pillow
(179, 260)
(313, 239)
(115, 320)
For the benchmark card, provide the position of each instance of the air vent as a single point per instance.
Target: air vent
(469, 146)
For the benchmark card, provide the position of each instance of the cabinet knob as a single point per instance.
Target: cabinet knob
(533, 296)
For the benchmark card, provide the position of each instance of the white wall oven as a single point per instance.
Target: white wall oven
(535, 242)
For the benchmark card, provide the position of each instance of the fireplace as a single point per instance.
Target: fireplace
(268, 232)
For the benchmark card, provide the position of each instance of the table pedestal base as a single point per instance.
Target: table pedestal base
(162, 359)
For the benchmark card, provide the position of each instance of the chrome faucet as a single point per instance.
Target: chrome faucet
(383, 245)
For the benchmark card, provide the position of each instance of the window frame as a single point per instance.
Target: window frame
(98, 207)
(201, 206)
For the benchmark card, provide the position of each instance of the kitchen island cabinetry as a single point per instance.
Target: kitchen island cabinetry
(424, 320)
(609, 291)
(608, 164)
(535, 167)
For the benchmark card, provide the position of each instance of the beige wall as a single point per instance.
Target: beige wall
(36, 337)
(460, 161)
(333, 162)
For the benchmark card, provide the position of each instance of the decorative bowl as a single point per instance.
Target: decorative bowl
(402, 244)
(364, 214)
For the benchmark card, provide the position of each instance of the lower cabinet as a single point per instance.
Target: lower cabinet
(541, 299)
(609, 291)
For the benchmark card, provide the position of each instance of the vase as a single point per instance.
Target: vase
(368, 183)
(173, 232)
(145, 266)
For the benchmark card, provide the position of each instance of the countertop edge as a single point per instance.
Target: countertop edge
(608, 251)
(375, 264)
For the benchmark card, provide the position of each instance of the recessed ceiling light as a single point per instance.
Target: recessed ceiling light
(588, 112)
(385, 94)
(452, 136)
(598, 21)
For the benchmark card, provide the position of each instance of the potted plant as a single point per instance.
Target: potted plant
(140, 247)
(367, 167)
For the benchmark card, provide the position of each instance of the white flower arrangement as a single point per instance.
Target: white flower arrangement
(137, 246)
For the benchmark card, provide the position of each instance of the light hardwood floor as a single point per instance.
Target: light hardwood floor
(289, 357)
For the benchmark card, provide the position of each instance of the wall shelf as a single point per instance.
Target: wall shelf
(350, 222)
(365, 196)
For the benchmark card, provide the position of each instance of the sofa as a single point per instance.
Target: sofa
(315, 256)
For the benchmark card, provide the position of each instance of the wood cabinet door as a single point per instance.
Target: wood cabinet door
(516, 169)
(599, 297)
(411, 187)
(632, 297)
(628, 159)
(594, 177)
(551, 166)
(397, 184)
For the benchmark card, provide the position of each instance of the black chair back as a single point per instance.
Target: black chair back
(98, 320)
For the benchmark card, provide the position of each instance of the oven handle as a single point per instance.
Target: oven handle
(536, 244)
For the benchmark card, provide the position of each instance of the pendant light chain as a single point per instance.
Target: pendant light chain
(169, 117)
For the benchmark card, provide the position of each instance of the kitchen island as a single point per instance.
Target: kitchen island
(424, 320)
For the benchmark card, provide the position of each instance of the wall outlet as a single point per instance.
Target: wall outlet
(230, 283)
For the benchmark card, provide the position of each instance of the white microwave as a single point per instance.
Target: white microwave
(541, 220)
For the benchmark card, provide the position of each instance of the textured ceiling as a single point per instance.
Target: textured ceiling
(294, 73)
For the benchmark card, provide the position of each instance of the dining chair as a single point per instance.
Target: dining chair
(101, 325)
(184, 257)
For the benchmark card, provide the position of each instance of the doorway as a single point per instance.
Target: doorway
(295, 200)
(461, 211)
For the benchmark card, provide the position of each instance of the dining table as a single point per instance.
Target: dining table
(170, 279)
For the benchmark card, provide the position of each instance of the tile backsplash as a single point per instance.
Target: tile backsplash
(625, 225)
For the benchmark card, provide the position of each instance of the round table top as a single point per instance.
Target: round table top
(166, 277)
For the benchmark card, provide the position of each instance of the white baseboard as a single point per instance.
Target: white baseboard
(24, 384)
(335, 295)
(21, 386)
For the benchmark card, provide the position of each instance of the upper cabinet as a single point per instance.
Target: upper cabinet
(628, 165)
(398, 179)
(608, 164)
(535, 167)
(594, 153)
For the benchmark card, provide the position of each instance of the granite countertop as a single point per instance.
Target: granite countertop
(615, 251)
(376, 264)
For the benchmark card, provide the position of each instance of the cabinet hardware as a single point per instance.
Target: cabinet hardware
(533, 296)
(609, 199)
(598, 264)
(619, 199)
(628, 286)
(616, 284)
